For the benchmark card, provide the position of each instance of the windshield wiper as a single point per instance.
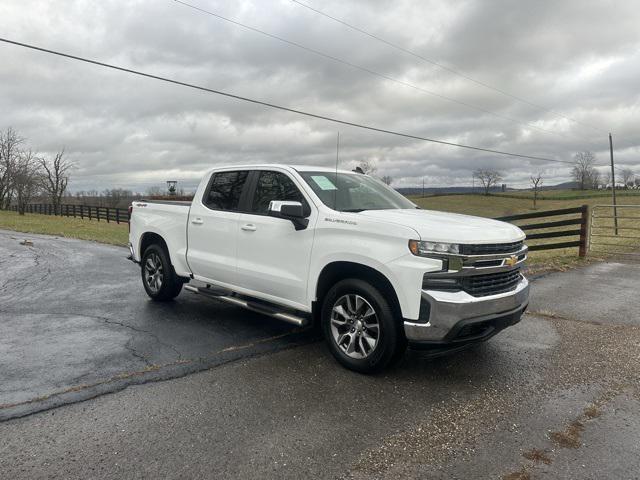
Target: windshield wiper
(353, 210)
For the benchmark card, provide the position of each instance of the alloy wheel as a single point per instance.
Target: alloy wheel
(354, 326)
(153, 272)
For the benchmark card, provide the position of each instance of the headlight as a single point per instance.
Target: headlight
(423, 249)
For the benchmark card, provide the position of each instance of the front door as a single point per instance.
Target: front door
(273, 258)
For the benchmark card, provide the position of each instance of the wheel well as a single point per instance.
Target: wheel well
(336, 271)
(149, 239)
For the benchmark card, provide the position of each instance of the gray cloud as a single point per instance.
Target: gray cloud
(580, 58)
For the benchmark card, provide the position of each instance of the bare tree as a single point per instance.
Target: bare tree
(367, 167)
(10, 143)
(594, 179)
(488, 178)
(26, 179)
(388, 179)
(627, 177)
(536, 181)
(605, 180)
(55, 178)
(116, 196)
(155, 191)
(583, 168)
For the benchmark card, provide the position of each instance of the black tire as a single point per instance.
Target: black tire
(390, 342)
(169, 285)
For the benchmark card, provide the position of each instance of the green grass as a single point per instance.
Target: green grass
(507, 204)
(102, 231)
(604, 195)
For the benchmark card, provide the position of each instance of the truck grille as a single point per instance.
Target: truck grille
(491, 284)
(491, 248)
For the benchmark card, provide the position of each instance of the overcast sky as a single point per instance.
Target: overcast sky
(579, 58)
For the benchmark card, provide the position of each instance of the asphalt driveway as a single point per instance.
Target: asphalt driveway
(556, 396)
(75, 322)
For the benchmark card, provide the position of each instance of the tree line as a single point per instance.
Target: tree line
(25, 174)
(584, 173)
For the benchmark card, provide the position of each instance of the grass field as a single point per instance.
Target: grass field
(604, 195)
(102, 231)
(491, 206)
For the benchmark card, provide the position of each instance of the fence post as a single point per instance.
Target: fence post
(118, 216)
(74, 210)
(89, 212)
(107, 214)
(584, 227)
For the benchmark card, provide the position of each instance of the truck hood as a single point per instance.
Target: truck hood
(449, 227)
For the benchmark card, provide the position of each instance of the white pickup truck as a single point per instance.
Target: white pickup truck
(342, 249)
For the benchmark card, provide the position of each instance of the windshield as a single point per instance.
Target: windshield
(354, 192)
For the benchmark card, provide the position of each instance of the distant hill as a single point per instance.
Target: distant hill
(560, 186)
(443, 190)
(462, 190)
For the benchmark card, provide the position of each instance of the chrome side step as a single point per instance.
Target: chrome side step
(255, 306)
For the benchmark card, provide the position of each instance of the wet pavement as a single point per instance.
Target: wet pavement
(556, 396)
(75, 322)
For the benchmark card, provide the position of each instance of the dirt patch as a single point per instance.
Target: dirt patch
(537, 456)
(592, 411)
(570, 437)
(519, 475)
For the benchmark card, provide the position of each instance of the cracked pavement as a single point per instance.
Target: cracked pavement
(75, 322)
(556, 396)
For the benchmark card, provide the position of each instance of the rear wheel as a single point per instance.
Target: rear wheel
(360, 327)
(158, 277)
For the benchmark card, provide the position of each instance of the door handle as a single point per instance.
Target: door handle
(249, 227)
(197, 221)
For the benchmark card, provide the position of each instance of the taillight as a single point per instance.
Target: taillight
(129, 210)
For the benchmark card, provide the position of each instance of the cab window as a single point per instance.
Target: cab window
(225, 189)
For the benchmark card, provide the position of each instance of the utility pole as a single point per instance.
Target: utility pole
(613, 187)
(422, 187)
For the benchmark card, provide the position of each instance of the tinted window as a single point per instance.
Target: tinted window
(225, 190)
(274, 186)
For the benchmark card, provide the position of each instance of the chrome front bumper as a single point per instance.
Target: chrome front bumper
(449, 311)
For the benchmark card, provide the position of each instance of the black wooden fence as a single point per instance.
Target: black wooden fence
(108, 214)
(578, 219)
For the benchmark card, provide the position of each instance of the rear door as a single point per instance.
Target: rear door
(273, 258)
(212, 229)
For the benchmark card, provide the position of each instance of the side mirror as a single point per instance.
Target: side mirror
(293, 211)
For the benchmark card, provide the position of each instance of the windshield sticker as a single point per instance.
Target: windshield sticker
(323, 182)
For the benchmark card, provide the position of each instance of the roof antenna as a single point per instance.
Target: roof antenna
(335, 191)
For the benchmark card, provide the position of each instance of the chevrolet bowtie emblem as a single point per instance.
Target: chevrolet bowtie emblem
(511, 261)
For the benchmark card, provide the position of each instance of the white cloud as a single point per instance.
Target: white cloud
(127, 131)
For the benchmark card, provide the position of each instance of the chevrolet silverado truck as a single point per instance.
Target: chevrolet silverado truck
(339, 249)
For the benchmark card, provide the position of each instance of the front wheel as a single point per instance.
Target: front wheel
(160, 281)
(360, 327)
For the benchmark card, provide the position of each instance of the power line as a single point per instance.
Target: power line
(278, 107)
(443, 67)
(365, 69)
